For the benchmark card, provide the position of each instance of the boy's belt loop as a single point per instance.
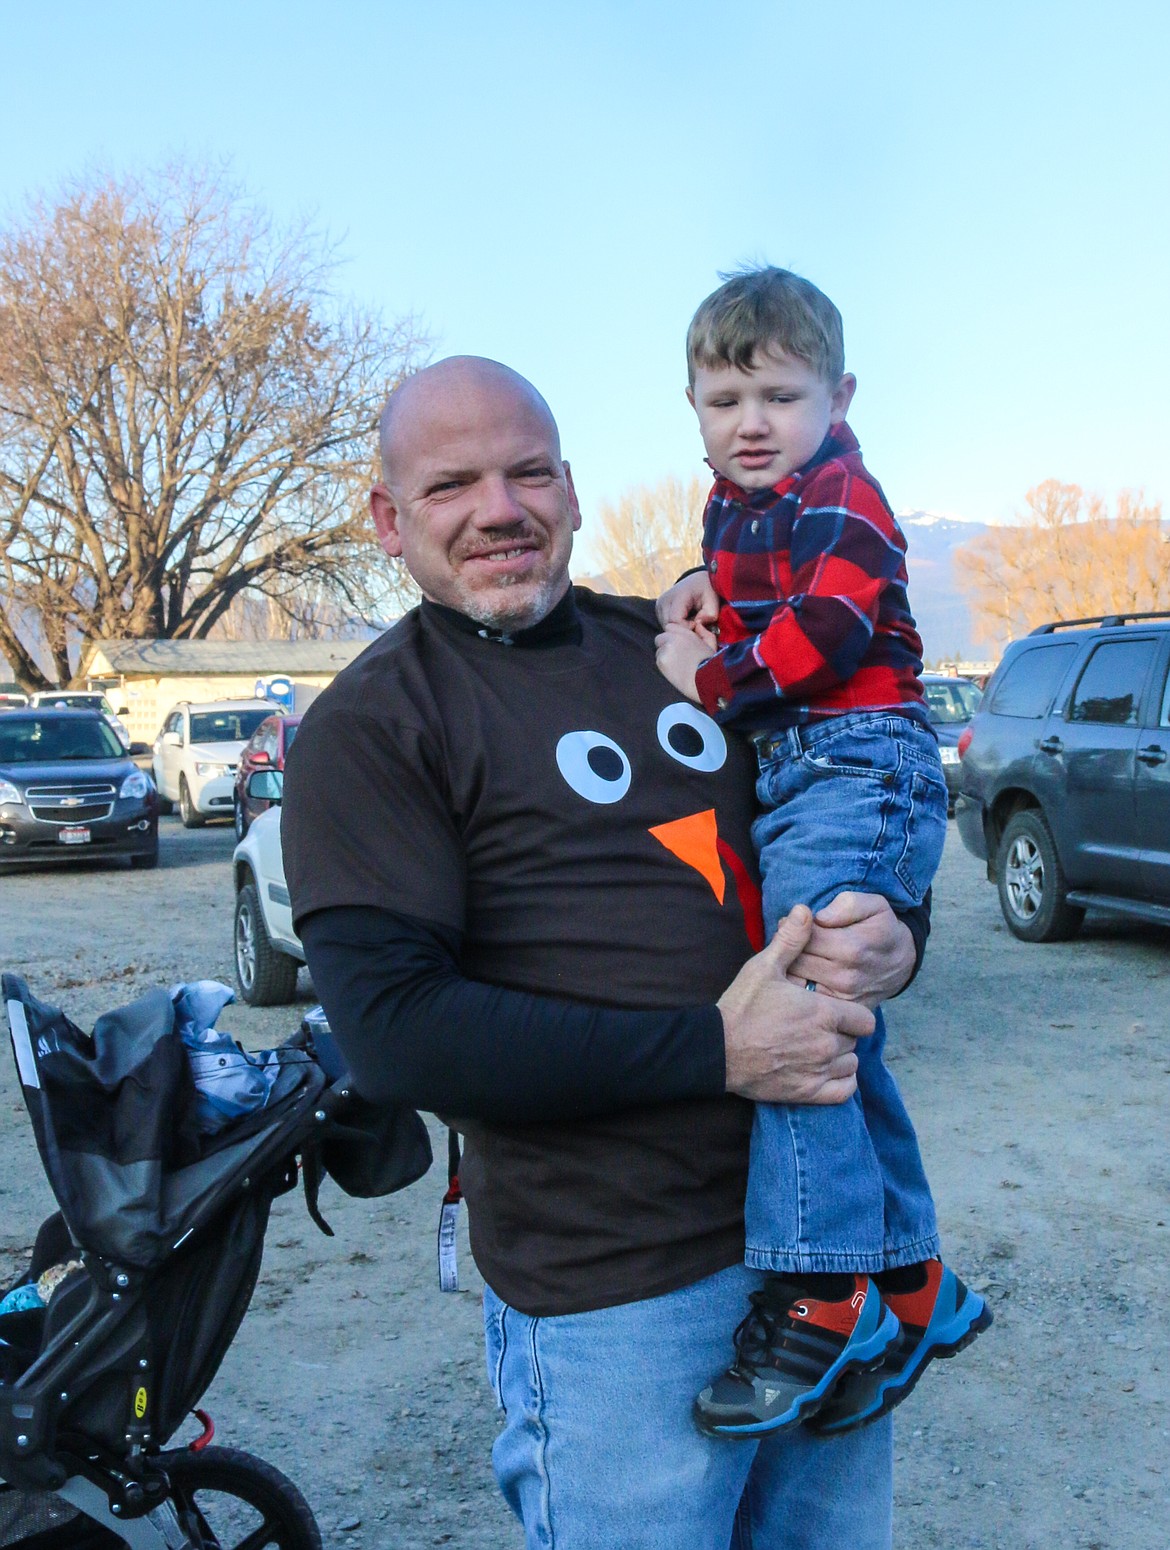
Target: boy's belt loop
(769, 744)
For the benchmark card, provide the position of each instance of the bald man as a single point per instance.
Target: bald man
(521, 868)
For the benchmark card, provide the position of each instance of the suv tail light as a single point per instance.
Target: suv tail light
(965, 740)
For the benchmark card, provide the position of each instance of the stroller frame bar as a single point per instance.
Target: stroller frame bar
(159, 1529)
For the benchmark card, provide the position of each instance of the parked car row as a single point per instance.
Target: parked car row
(69, 784)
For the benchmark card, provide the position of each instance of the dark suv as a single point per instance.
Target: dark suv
(1065, 776)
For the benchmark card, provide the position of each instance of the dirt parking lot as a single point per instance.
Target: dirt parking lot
(1039, 1080)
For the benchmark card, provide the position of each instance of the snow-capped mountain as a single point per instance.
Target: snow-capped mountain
(944, 620)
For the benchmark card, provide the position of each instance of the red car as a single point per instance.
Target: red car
(266, 749)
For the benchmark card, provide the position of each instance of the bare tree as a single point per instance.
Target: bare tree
(186, 417)
(651, 535)
(1069, 557)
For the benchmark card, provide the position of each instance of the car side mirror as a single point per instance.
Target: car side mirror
(266, 786)
(172, 740)
(122, 710)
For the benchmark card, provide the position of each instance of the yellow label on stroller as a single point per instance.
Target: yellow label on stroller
(139, 1403)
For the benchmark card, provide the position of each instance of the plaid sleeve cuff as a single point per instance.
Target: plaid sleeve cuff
(714, 687)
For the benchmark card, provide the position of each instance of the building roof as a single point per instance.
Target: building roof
(175, 658)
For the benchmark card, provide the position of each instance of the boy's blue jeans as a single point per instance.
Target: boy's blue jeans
(854, 802)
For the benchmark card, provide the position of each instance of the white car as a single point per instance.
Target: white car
(196, 754)
(267, 951)
(84, 699)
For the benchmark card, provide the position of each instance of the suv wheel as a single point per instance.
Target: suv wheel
(266, 976)
(1033, 893)
(188, 812)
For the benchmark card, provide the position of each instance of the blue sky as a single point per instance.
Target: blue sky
(982, 189)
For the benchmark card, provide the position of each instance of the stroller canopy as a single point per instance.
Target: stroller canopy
(114, 1114)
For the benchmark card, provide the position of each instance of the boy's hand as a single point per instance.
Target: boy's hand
(678, 652)
(693, 602)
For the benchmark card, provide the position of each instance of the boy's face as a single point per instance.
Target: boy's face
(761, 425)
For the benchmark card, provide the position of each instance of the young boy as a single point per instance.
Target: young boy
(817, 659)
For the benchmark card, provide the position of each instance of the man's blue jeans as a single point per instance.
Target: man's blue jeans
(600, 1451)
(853, 802)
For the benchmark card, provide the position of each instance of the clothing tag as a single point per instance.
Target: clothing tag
(448, 1253)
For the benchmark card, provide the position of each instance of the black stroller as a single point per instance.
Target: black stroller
(151, 1261)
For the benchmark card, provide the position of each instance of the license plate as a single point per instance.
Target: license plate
(75, 834)
(949, 755)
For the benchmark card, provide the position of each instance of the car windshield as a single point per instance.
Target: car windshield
(947, 703)
(29, 740)
(225, 726)
(75, 702)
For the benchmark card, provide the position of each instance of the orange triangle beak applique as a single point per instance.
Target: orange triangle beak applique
(695, 839)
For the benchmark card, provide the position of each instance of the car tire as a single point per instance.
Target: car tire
(241, 820)
(1033, 893)
(265, 975)
(145, 863)
(188, 812)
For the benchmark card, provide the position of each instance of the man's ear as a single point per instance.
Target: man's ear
(574, 507)
(842, 398)
(384, 510)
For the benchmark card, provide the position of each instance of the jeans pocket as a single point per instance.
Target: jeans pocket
(926, 833)
(864, 752)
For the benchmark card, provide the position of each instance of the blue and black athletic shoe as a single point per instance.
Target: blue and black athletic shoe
(940, 1318)
(790, 1353)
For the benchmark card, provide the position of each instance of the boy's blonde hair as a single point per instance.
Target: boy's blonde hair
(767, 309)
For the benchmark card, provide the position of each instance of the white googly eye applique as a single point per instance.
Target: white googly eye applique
(594, 765)
(690, 736)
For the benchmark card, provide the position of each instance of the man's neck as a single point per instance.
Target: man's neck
(560, 626)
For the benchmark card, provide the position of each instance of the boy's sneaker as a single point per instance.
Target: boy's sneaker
(939, 1319)
(791, 1351)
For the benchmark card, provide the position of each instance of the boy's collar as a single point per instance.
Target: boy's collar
(840, 439)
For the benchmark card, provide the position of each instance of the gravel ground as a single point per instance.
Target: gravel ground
(1037, 1076)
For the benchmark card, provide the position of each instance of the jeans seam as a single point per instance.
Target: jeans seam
(743, 1519)
(798, 1161)
(498, 1375)
(542, 1447)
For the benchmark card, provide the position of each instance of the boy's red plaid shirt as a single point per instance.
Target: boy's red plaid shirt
(811, 575)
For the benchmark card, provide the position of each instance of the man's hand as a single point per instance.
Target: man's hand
(783, 1045)
(678, 652)
(858, 950)
(693, 602)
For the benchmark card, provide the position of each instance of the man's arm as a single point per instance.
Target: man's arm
(415, 1030)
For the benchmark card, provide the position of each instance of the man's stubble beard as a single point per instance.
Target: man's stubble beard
(503, 613)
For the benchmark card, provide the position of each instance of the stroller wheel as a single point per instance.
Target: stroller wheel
(227, 1500)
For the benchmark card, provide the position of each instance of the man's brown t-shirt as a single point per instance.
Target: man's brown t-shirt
(587, 832)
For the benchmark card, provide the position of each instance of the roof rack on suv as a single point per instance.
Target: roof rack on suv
(1106, 621)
